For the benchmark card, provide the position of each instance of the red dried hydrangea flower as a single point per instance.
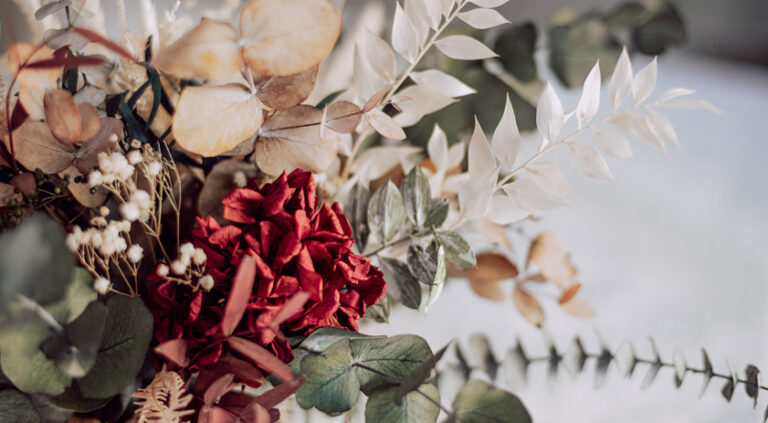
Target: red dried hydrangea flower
(296, 247)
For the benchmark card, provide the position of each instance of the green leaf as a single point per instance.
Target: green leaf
(457, 249)
(335, 377)
(157, 93)
(480, 402)
(379, 312)
(79, 294)
(74, 350)
(35, 261)
(417, 196)
(15, 407)
(423, 263)
(438, 212)
(414, 407)
(24, 364)
(407, 284)
(386, 212)
(515, 47)
(664, 29)
(127, 332)
(73, 400)
(324, 337)
(356, 211)
(575, 47)
(328, 99)
(418, 376)
(437, 288)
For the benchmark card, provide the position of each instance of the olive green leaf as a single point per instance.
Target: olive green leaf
(413, 408)
(480, 402)
(15, 407)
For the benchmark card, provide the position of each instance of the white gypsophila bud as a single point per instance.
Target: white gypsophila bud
(104, 211)
(199, 257)
(187, 249)
(107, 248)
(134, 157)
(113, 138)
(130, 212)
(95, 178)
(162, 270)
(101, 285)
(135, 144)
(239, 179)
(185, 260)
(120, 244)
(98, 221)
(105, 163)
(93, 237)
(125, 171)
(178, 267)
(124, 226)
(142, 199)
(154, 168)
(72, 242)
(135, 253)
(109, 178)
(206, 282)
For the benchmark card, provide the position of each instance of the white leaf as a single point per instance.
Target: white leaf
(481, 18)
(489, 3)
(481, 159)
(493, 232)
(417, 13)
(588, 160)
(506, 138)
(549, 114)
(385, 125)
(687, 103)
(673, 93)
(378, 54)
(550, 179)
(375, 162)
(530, 197)
(441, 82)
(642, 130)
(424, 101)
(435, 12)
(367, 80)
(504, 210)
(590, 97)
(662, 127)
(447, 6)
(437, 147)
(621, 81)
(475, 195)
(644, 82)
(462, 47)
(455, 155)
(612, 142)
(405, 39)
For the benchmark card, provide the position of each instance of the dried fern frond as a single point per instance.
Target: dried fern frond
(163, 400)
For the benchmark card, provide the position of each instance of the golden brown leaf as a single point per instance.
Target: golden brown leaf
(208, 51)
(32, 83)
(492, 266)
(343, 117)
(569, 293)
(82, 191)
(211, 120)
(291, 139)
(164, 399)
(221, 181)
(578, 308)
(285, 37)
(490, 289)
(35, 147)
(549, 255)
(284, 92)
(528, 305)
(110, 131)
(90, 121)
(62, 115)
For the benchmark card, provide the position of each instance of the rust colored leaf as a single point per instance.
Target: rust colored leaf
(343, 117)
(25, 182)
(174, 350)
(90, 123)
(284, 92)
(18, 116)
(218, 388)
(492, 266)
(68, 62)
(490, 289)
(276, 395)
(286, 37)
(376, 99)
(578, 308)
(97, 38)
(240, 294)
(528, 305)
(549, 255)
(62, 115)
(263, 357)
(290, 308)
(569, 293)
(255, 413)
(36, 147)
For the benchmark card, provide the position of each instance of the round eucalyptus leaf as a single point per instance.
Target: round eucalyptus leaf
(15, 407)
(415, 407)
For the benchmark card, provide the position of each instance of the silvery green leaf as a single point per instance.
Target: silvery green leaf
(462, 47)
(356, 211)
(549, 114)
(51, 8)
(644, 82)
(603, 362)
(621, 80)
(625, 359)
(574, 358)
(588, 160)
(515, 367)
(549, 177)
(730, 386)
(438, 212)
(441, 82)
(324, 337)
(752, 386)
(481, 355)
(708, 372)
(589, 102)
(612, 142)
(384, 406)
(407, 284)
(440, 272)
(386, 212)
(457, 249)
(662, 127)
(553, 361)
(405, 38)
(678, 361)
(479, 401)
(482, 18)
(423, 263)
(654, 368)
(417, 196)
(379, 311)
(506, 138)
(418, 376)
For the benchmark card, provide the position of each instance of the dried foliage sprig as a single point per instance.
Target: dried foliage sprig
(163, 400)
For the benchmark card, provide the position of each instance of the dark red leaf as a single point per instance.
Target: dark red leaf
(290, 308)
(218, 388)
(174, 350)
(239, 295)
(261, 356)
(25, 182)
(66, 62)
(18, 116)
(255, 414)
(220, 415)
(279, 393)
(100, 39)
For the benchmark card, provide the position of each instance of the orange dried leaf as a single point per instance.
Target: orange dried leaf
(490, 289)
(284, 92)
(285, 37)
(211, 120)
(528, 306)
(343, 117)
(62, 115)
(492, 266)
(35, 147)
(291, 139)
(578, 308)
(548, 254)
(90, 121)
(569, 293)
(208, 51)
(385, 125)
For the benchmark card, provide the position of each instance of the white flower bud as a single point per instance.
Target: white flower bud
(135, 253)
(101, 285)
(240, 179)
(206, 282)
(154, 168)
(130, 211)
(187, 249)
(95, 178)
(178, 267)
(104, 211)
(162, 270)
(134, 157)
(199, 257)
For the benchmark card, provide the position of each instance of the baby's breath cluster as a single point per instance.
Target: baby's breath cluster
(188, 268)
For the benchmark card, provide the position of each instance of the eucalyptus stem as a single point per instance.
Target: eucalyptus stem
(389, 244)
